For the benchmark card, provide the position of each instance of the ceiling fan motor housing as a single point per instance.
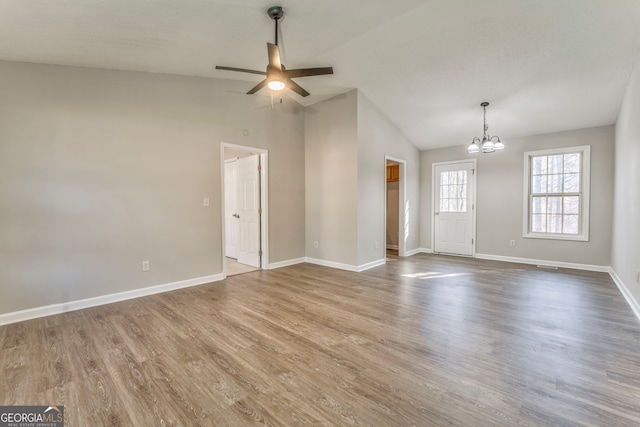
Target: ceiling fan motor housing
(275, 12)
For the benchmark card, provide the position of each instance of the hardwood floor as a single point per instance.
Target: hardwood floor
(427, 340)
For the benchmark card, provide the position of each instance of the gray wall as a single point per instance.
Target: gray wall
(102, 169)
(625, 253)
(347, 139)
(500, 178)
(331, 166)
(379, 137)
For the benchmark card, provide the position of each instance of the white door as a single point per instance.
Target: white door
(248, 211)
(231, 222)
(454, 186)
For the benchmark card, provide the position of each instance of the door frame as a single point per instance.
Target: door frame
(402, 201)
(264, 198)
(474, 176)
(224, 206)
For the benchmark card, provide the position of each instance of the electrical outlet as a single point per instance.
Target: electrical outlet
(512, 242)
(205, 202)
(315, 244)
(375, 245)
(146, 266)
(638, 276)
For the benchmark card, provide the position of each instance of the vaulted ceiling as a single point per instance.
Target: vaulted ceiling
(545, 65)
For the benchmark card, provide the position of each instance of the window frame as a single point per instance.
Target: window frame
(583, 215)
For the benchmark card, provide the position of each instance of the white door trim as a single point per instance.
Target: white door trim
(433, 200)
(264, 201)
(402, 200)
(231, 224)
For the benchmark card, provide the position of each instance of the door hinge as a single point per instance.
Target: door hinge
(260, 211)
(259, 253)
(259, 168)
(473, 171)
(472, 241)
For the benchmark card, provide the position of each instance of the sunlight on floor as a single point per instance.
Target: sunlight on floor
(434, 275)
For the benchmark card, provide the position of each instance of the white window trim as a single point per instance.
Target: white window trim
(585, 183)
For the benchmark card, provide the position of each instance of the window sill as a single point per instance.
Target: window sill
(550, 236)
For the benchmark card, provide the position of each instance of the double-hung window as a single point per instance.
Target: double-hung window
(556, 204)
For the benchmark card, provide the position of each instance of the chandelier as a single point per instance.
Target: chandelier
(486, 144)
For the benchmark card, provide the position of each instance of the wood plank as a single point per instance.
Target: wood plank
(425, 340)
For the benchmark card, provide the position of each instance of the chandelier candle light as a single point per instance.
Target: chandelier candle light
(486, 144)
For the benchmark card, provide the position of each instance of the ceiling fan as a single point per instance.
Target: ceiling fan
(277, 76)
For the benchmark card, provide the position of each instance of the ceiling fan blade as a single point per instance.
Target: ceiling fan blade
(242, 70)
(305, 72)
(296, 88)
(274, 56)
(257, 87)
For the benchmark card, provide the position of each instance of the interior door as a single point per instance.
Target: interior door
(454, 186)
(248, 211)
(230, 209)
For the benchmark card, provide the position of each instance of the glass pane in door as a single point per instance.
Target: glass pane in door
(453, 191)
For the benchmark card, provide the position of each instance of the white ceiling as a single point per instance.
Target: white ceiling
(545, 65)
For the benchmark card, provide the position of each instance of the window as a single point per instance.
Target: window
(453, 191)
(556, 202)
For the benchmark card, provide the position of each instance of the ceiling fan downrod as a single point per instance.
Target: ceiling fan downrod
(276, 13)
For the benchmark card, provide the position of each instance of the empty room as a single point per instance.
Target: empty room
(229, 213)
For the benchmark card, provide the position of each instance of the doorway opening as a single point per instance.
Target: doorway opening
(244, 203)
(396, 208)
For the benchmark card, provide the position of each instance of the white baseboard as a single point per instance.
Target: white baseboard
(348, 267)
(625, 293)
(372, 264)
(413, 252)
(49, 310)
(331, 264)
(559, 264)
(286, 263)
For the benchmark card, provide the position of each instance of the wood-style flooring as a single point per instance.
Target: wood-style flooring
(426, 341)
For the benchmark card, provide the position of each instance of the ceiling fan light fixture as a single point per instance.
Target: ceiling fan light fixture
(276, 85)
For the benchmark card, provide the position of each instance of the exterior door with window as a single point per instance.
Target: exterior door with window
(454, 186)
